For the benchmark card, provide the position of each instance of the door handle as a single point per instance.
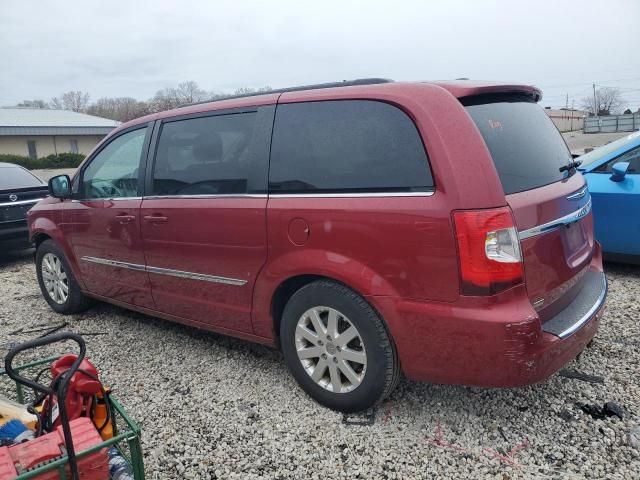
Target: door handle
(124, 219)
(156, 218)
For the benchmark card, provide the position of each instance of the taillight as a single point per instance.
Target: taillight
(489, 249)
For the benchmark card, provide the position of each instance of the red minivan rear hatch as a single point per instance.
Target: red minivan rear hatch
(549, 201)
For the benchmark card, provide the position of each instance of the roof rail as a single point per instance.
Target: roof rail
(344, 83)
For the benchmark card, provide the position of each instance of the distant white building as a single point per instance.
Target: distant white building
(567, 120)
(37, 133)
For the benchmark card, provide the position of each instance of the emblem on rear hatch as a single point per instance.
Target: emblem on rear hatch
(583, 211)
(13, 197)
(578, 195)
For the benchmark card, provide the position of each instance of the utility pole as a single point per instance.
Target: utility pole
(572, 114)
(595, 104)
(566, 110)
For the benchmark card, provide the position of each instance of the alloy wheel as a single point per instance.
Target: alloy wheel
(330, 349)
(55, 278)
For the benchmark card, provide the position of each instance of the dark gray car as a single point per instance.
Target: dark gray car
(19, 191)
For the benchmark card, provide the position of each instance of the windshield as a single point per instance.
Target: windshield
(598, 153)
(525, 145)
(12, 177)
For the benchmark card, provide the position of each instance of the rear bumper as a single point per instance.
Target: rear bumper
(483, 342)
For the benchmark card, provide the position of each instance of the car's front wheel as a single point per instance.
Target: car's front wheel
(57, 283)
(338, 348)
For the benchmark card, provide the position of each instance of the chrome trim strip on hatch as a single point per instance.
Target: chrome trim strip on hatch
(554, 224)
(165, 271)
(22, 202)
(587, 316)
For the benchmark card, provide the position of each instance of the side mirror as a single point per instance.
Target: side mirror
(619, 171)
(60, 186)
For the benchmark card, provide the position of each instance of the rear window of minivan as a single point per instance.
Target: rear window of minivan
(354, 146)
(525, 145)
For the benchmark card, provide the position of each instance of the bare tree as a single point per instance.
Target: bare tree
(121, 109)
(164, 99)
(249, 90)
(33, 104)
(75, 100)
(608, 101)
(172, 97)
(190, 92)
(124, 109)
(56, 103)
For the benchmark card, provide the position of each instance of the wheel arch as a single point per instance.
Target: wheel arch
(44, 229)
(287, 288)
(284, 292)
(39, 237)
(283, 276)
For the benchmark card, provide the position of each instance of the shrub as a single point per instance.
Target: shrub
(62, 160)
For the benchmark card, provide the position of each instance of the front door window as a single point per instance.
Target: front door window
(113, 172)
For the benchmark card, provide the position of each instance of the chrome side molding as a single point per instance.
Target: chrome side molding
(165, 271)
(554, 224)
(352, 195)
(115, 263)
(196, 276)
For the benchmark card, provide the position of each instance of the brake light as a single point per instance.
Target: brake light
(489, 250)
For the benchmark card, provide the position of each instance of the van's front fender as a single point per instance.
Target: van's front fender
(44, 225)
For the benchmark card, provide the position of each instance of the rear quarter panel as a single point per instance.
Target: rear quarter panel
(390, 246)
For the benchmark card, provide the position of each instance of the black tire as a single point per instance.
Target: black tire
(76, 301)
(382, 371)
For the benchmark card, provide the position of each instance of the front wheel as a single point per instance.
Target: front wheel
(338, 348)
(57, 283)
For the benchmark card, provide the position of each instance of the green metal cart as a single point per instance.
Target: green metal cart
(126, 433)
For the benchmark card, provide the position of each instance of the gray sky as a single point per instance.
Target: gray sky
(134, 48)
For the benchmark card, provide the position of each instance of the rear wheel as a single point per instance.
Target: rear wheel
(337, 347)
(57, 283)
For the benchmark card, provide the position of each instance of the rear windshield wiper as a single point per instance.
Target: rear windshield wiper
(570, 166)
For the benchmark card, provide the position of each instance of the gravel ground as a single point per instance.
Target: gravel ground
(215, 407)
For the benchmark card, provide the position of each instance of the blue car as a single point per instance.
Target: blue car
(613, 176)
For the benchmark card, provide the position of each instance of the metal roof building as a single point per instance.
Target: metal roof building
(39, 132)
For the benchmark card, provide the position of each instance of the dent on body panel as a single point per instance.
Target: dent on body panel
(519, 337)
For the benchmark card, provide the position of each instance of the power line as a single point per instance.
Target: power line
(590, 83)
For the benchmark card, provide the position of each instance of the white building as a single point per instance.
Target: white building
(566, 119)
(37, 133)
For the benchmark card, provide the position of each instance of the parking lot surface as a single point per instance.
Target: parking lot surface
(215, 407)
(578, 141)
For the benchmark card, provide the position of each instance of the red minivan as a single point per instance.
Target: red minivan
(367, 228)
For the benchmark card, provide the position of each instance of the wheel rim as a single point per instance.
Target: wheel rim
(331, 349)
(55, 278)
